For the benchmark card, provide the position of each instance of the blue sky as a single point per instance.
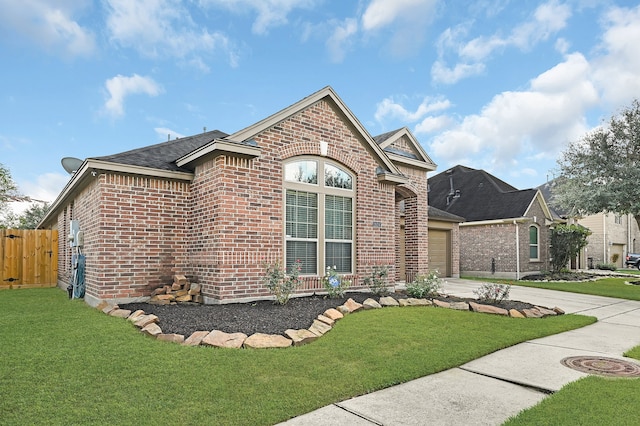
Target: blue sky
(499, 85)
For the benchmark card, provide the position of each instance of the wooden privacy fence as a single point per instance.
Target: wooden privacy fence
(28, 258)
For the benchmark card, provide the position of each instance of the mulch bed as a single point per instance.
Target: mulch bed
(261, 316)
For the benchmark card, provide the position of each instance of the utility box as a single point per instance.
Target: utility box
(76, 236)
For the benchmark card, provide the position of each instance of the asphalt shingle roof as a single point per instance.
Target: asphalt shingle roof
(163, 155)
(482, 196)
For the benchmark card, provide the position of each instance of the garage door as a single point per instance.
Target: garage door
(440, 252)
(617, 251)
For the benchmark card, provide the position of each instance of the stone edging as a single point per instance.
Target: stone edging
(147, 323)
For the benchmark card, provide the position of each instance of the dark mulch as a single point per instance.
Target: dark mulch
(261, 316)
(561, 276)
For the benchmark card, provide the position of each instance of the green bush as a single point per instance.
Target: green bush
(425, 286)
(335, 284)
(279, 283)
(377, 281)
(492, 293)
(606, 266)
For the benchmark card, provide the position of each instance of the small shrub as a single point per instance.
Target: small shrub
(606, 266)
(335, 284)
(279, 283)
(377, 281)
(492, 293)
(424, 285)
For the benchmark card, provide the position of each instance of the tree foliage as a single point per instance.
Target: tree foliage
(601, 171)
(566, 243)
(8, 188)
(29, 219)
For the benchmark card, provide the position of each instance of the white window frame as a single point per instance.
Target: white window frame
(537, 244)
(322, 191)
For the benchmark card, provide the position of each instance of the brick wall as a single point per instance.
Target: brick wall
(482, 246)
(135, 234)
(220, 228)
(238, 207)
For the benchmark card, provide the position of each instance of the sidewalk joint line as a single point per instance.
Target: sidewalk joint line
(513, 382)
(363, 417)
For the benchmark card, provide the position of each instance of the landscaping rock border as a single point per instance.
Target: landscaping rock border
(147, 323)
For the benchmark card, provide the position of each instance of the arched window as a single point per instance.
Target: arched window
(319, 215)
(534, 245)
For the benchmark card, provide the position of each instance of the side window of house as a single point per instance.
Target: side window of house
(534, 247)
(319, 215)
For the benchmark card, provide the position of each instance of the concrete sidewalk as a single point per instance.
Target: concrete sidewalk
(488, 390)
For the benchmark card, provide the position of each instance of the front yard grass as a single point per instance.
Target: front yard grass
(64, 362)
(592, 400)
(609, 287)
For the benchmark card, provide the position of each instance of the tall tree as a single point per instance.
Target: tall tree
(8, 188)
(29, 219)
(601, 171)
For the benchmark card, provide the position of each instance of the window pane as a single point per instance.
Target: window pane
(304, 251)
(336, 177)
(338, 255)
(301, 214)
(533, 235)
(338, 218)
(533, 252)
(301, 171)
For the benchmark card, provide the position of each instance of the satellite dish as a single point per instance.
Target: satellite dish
(71, 164)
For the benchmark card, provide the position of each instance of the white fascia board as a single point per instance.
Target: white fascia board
(411, 162)
(219, 146)
(497, 221)
(91, 166)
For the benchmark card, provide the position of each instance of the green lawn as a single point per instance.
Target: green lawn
(590, 401)
(610, 287)
(66, 363)
(593, 400)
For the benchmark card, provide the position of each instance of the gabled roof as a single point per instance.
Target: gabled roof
(479, 196)
(163, 156)
(441, 215)
(329, 95)
(547, 192)
(410, 153)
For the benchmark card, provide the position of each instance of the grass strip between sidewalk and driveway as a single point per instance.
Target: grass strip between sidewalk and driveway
(608, 287)
(64, 362)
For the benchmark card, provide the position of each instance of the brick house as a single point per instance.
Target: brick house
(505, 232)
(612, 235)
(308, 183)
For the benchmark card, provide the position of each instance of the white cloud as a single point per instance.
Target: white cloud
(433, 124)
(45, 188)
(408, 21)
(119, 87)
(167, 134)
(616, 70)
(547, 19)
(270, 13)
(53, 27)
(164, 27)
(543, 118)
(389, 108)
(340, 40)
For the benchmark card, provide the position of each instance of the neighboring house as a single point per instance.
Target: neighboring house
(308, 183)
(506, 230)
(612, 235)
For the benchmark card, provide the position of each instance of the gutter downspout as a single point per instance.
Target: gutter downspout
(517, 250)
(604, 239)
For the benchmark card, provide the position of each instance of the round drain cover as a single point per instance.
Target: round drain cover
(602, 366)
